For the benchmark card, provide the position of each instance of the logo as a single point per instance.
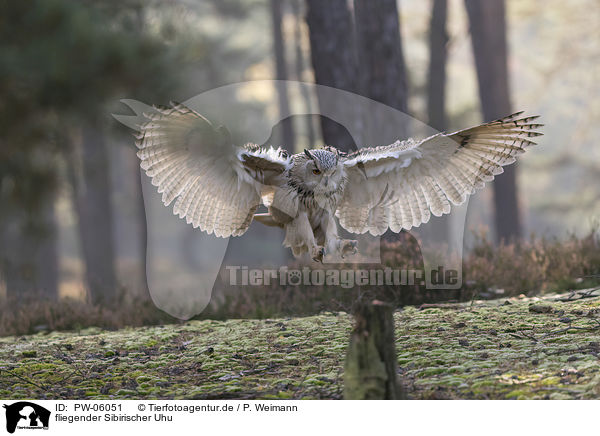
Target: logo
(26, 415)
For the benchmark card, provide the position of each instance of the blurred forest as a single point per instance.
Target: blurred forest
(72, 219)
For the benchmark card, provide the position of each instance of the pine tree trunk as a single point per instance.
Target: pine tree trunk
(333, 58)
(141, 227)
(91, 187)
(281, 74)
(436, 93)
(136, 180)
(382, 69)
(488, 35)
(436, 77)
(299, 70)
(29, 258)
(46, 252)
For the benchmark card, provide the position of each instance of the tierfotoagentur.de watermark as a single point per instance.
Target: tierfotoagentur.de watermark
(345, 278)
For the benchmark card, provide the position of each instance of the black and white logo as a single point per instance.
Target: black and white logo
(26, 415)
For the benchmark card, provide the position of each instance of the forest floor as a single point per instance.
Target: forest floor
(503, 349)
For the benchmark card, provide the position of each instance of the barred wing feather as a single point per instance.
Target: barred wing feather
(215, 185)
(400, 185)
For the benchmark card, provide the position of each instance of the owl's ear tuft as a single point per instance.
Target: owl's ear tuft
(308, 155)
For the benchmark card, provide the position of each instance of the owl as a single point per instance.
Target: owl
(219, 186)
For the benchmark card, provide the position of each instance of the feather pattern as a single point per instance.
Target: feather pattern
(215, 185)
(427, 177)
(218, 186)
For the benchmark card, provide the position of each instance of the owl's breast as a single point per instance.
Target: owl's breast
(316, 217)
(321, 208)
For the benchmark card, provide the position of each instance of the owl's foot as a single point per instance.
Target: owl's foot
(318, 253)
(348, 246)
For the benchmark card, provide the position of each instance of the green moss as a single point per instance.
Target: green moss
(32, 366)
(518, 395)
(487, 350)
(432, 371)
(30, 353)
(125, 393)
(550, 381)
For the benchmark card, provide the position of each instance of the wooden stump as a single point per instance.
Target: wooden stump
(370, 369)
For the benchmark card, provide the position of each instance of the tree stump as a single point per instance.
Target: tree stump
(370, 369)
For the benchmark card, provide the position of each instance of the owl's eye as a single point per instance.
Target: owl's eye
(316, 172)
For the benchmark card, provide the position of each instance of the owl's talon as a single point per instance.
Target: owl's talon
(318, 254)
(348, 247)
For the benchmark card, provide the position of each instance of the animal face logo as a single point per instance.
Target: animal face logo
(26, 415)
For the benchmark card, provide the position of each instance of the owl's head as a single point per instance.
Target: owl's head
(321, 171)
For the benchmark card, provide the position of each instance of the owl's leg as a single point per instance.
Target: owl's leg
(331, 234)
(336, 244)
(300, 237)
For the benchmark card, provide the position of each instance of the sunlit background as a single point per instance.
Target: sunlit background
(69, 176)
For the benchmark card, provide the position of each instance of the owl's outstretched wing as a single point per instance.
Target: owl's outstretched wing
(400, 185)
(216, 185)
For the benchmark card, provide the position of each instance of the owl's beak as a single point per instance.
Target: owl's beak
(326, 180)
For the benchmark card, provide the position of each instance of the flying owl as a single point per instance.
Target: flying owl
(218, 186)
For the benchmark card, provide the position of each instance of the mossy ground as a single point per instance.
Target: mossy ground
(517, 348)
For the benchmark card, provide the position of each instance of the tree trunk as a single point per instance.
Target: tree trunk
(281, 74)
(371, 364)
(16, 269)
(46, 252)
(299, 70)
(436, 93)
(136, 180)
(143, 236)
(379, 46)
(488, 35)
(29, 259)
(91, 186)
(333, 57)
(436, 78)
